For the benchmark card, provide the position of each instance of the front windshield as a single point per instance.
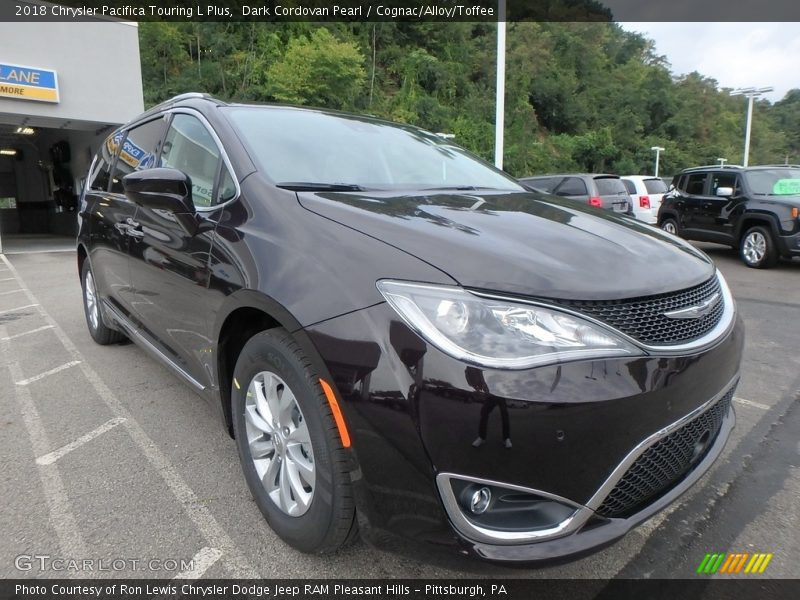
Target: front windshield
(774, 182)
(300, 146)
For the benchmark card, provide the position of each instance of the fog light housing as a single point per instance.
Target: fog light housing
(501, 513)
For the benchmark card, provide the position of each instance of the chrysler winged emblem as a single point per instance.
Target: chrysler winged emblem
(697, 311)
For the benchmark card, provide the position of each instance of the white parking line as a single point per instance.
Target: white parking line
(51, 457)
(211, 530)
(750, 403)
(62, 520)
(19, 308)
(10, 292)
(7, 278)
(200, 563)
(24, 333)
(63, 367)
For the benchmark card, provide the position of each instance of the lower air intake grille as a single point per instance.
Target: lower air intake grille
(666, 462)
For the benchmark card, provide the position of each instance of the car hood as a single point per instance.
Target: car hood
(522, 243)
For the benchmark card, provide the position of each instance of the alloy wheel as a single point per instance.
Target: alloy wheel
(279, 443)
(755, 247)
(669, 227)
(90, 296)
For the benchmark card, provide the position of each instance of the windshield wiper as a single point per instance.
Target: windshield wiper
(313, 186)
(458, 188)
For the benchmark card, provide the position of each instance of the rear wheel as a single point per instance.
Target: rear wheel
(757, 248)
(670, 225)
(100, 333)
(289, 445)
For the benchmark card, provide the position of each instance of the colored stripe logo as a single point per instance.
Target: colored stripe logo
(732, 563)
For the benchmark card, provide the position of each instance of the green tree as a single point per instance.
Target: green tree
(318, 70)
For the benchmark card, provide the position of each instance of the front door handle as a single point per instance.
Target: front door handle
(130, 228)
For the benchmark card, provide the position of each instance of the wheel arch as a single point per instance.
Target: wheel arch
(753, 219)
(244, 314)
(82, 256)
(667, 213)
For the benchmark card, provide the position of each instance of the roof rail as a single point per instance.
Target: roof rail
(179, 98)
(779, 165)
(714, 167)
(188, 96)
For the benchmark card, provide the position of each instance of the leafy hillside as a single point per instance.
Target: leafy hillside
(579, 96)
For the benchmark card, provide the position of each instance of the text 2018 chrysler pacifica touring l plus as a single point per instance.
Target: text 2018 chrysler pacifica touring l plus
(401, 339)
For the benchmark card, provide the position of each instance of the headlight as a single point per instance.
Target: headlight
(499, 333)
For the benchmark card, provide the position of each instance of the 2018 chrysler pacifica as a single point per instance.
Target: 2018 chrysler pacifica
(403, 340)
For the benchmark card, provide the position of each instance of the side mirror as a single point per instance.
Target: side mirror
(161, 189)
(169, 190)
(725, 192)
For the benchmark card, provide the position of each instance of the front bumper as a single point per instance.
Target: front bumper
(414, 414)
(789, 245)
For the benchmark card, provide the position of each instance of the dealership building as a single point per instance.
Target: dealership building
(63, 88)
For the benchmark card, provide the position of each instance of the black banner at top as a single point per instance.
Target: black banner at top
(277, 11)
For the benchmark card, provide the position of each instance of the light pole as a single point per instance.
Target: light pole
(751, 94)
(658, 150)
(722, 161)
(500, 85)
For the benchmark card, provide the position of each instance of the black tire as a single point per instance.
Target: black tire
(329, 521)
(670, 223)
(758, 259)
(100, 332)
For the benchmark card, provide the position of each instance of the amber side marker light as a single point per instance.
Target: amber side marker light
(337, 413)
(795, 212)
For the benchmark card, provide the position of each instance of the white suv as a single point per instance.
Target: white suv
(646, 193)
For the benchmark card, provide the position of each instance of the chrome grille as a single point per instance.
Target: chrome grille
(665, 463)
(643, 318)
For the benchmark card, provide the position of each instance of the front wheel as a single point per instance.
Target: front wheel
(757, 248)
(100, 333)
(289, 445)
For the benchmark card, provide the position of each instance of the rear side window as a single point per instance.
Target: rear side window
(630, 186)
(609, 186)
(696, 184)
(655, 186)
(191, 148)
(572, 186)
(546, 184)
(139, 151)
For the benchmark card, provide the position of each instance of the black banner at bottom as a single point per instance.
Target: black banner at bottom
(405, 589)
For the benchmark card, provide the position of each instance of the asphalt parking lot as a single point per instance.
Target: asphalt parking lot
(104, 454)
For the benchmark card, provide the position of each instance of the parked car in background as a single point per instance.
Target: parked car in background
(646, 194)
(753, 209)
(598, 190)
(358, 300)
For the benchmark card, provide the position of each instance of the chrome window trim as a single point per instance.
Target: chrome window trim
(583, 512)
(702, 343)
